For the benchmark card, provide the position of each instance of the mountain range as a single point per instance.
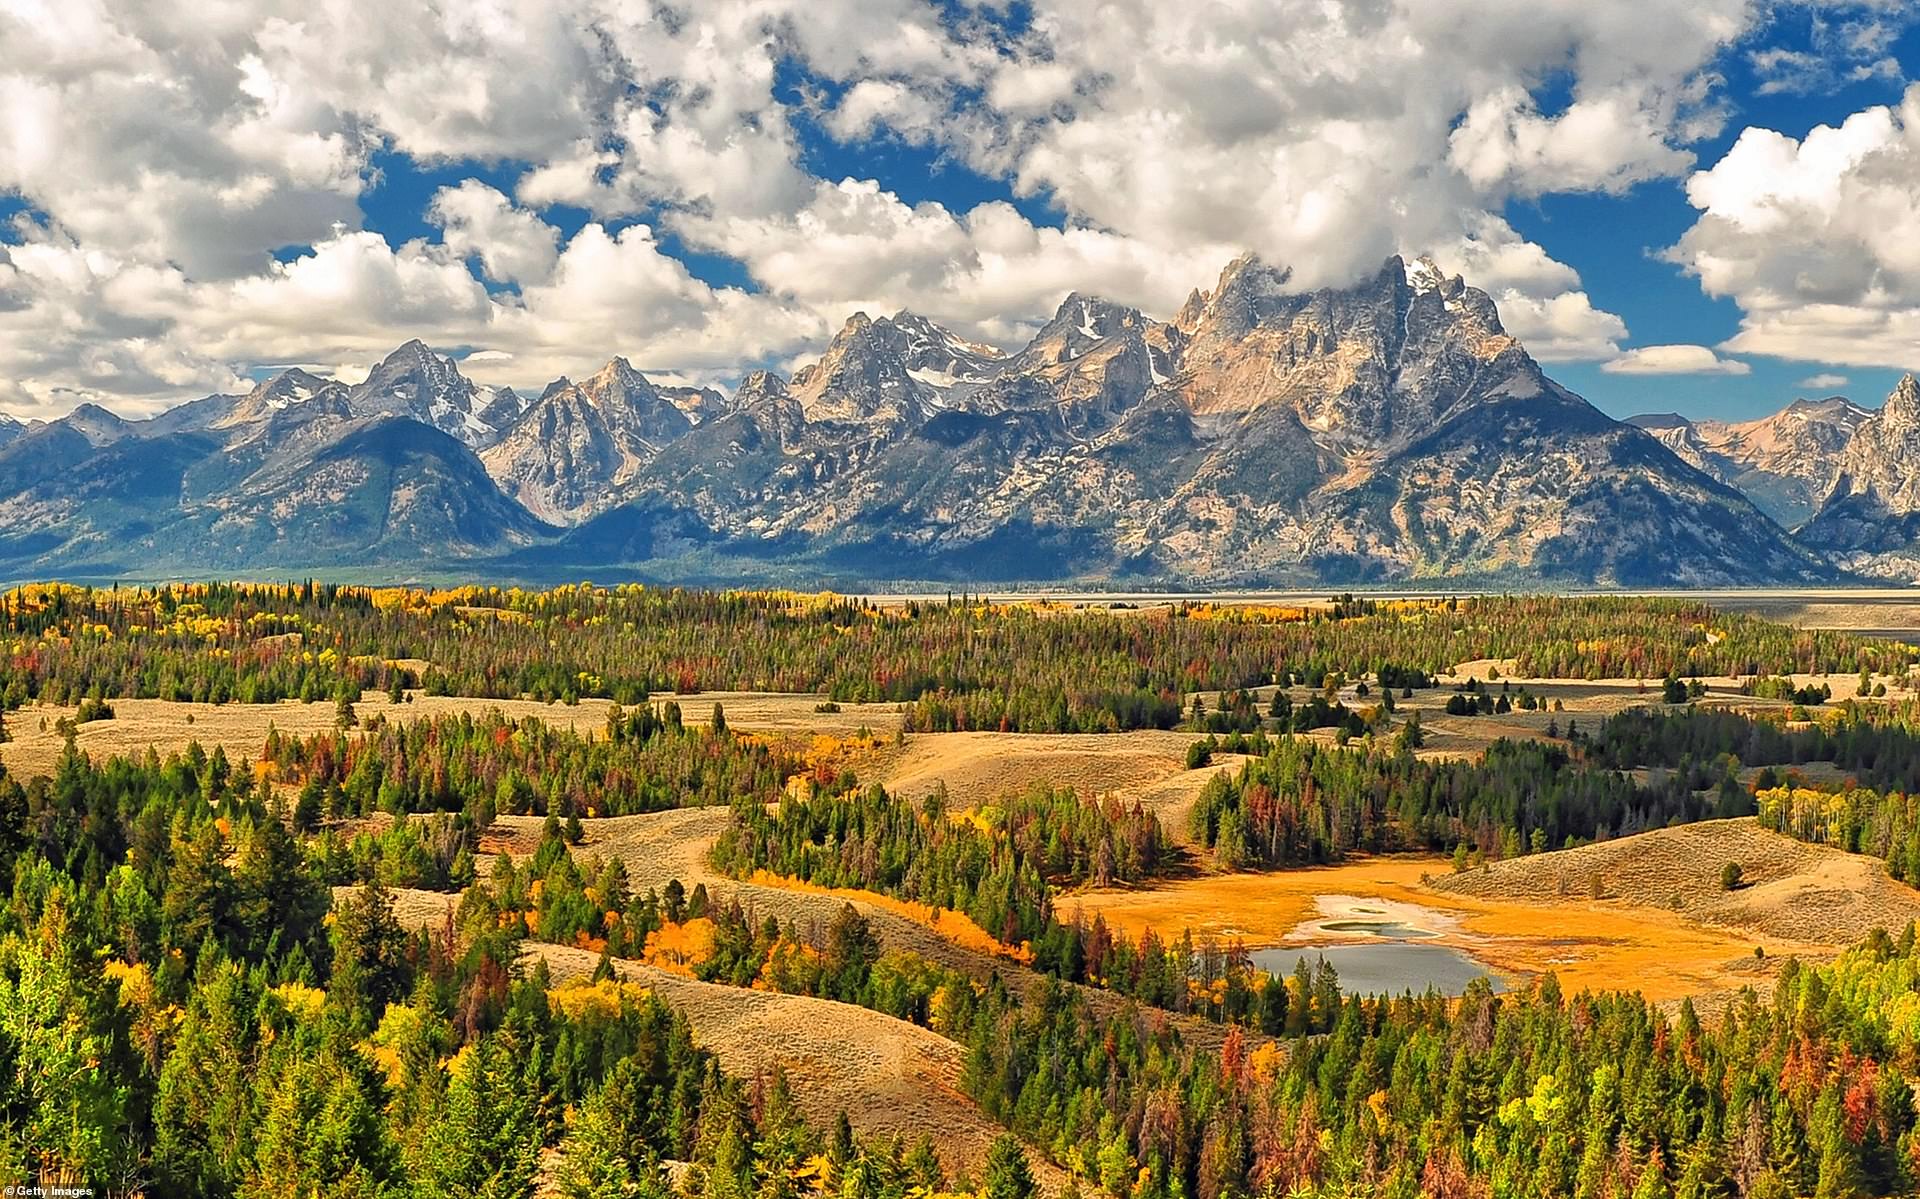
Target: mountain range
(1265, 435)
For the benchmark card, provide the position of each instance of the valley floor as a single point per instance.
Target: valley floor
(1643, 913)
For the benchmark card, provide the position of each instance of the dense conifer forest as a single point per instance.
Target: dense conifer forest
(186, 1009)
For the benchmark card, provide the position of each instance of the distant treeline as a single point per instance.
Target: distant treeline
(961, 664)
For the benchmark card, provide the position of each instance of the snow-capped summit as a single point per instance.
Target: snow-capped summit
(285, 390)
(415, 382)
(936, 356)
(1079, 324)
(862, 379)
(1385, 429)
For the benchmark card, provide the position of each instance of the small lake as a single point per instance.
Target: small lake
(1387, 967)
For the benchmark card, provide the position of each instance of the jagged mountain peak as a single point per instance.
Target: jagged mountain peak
(1422, 273)
(909, 321)
(1871, 516)
(1095, 317)
(1248, 269)
(415, 382)
(411, 362)
(1078, 325)
(93, 413)
(861, 379)
(1903, 403)
(854, 329)
(1785, 461)
(618, 383)
(1831, 407)
(288, 389)
(618, 367)
(936, 356)
(1364, 367)
(1243, 282)
(95, 423)
(856, 337)
(1190, 310)
(759, 385)
(1251, 290)
(290, 386)
(1386, 429)
(293, 378)
(568, 454)
(925, 331)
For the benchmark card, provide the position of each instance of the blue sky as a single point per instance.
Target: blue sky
(543, 185)
(1615, 241)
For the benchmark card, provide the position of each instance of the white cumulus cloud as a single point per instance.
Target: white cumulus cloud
(1817, 239)
(193, 176)
(1674, 360)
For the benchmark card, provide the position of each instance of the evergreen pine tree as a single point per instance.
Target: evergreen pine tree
(1007, 1175)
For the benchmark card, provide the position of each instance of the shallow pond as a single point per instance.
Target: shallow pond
(1385, 968)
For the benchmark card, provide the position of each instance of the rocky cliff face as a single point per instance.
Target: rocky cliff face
(1870, 518)
(1882, 460)
(1367, 369)
(862, 382)
(565, 457)
(936, 357)
(1786, 463)
(290, 389)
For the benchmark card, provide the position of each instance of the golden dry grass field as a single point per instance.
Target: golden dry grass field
(1661, 924)
(659, 846)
